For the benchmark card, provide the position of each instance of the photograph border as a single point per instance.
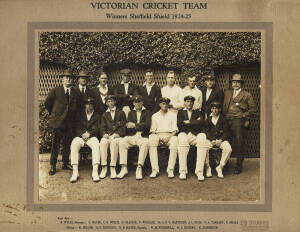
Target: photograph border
(267, 66)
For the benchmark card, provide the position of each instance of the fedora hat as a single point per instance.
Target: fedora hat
(83, 73)
(66, 73)
(237, 77)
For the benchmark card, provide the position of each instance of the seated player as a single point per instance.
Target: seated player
(163, 131)
(137, 131)
(87, 129)
(112, 128)
(217, 134)
(190, 124)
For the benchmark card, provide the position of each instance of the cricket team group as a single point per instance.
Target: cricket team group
(111, 120)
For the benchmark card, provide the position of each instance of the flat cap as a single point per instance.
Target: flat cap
(137, 98)
(165, 100)
(89, 100)
(189, 97)
(110, 97)
(216, 104)
(125, 71)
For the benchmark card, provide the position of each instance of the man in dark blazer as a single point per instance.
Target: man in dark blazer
(150, 92)
(210, 94)
(190, 125)
(83, 89)
(112, 128)
(62, 104)
(101, 92)
(238, 107)
(125, 91)
(87, 128)
(217, 135)
(137, 132)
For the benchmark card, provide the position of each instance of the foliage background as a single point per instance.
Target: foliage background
(193, 53)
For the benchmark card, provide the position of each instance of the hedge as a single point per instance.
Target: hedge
(194, 53)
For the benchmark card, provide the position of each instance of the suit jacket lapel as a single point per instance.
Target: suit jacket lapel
(63, 94)
(239, 96)
(212, 94)
(230, 94)
(185, 114)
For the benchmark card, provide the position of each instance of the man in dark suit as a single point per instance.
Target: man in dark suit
(101, 92)
(137, 132)
(217, 135)
(150, 92)
(62, 104)
(87, 129)
(238, 107)
(190, 125)
(125, 91)
(82, 87)
(112, 128)
(210, 94)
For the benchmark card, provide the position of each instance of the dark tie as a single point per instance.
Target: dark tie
(68, 95)
(83, 90)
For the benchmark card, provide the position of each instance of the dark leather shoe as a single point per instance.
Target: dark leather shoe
(52, 170)
(237, 170)
(67, 167)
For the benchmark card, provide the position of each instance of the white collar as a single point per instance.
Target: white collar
(99, 86)
(188, 88)
(122, 82)
(187, 109)
(143, 108)
(145, 84)
(65, 88)
(90, 113)
(212, 116)
(238, 91)
(171, 87)
(108, 110)
(81, 86)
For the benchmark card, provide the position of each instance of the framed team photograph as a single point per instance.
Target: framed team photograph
(150, 118)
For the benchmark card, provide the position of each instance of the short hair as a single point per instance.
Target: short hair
(103, 73)
(149, 70)
(190, 77)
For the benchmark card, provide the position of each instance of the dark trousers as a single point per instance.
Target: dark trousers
(62, 136)
(238, 134)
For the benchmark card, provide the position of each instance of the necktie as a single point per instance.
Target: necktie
(234, 93)
(68, 95)
(83, 90)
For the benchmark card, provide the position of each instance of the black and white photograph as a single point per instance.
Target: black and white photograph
(158, 116)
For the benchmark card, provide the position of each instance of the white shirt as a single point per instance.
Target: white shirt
(138, 114)
(174, 94)
(208, 92)
(196, 93)
(214, 120)
(236, 92)
(112, 112)
(65, 88)
(189, 114)
(82, 88)
(126, 86)
(148, 87)
(89, 115)
(103, 92)
(164, 123)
